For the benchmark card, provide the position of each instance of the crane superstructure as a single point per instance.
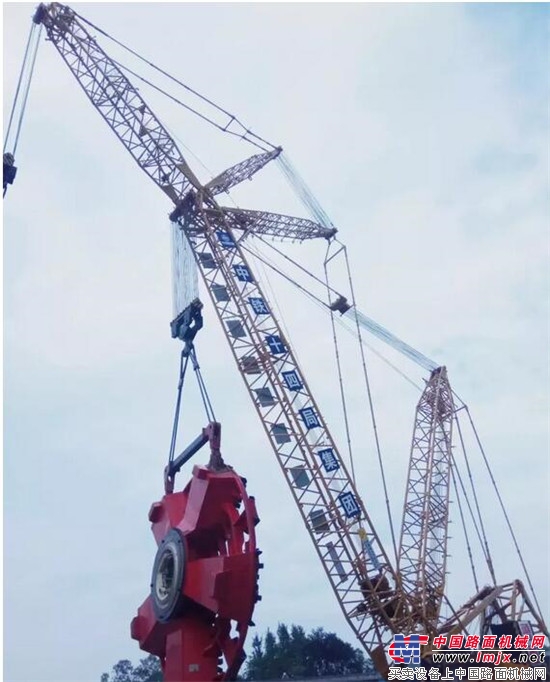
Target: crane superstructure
(379, 597)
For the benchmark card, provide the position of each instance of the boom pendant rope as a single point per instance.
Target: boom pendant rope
(464, 528)
(19, 103)
(503, 509)
(303, 192)
(342, 306)
(245, 133)
(455, 472)
(486, 550)
(223, 129)
(343, 321)
(339, 369)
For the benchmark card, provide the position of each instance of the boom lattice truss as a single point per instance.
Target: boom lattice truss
(423, 545)
(377, 599)
(343, 535)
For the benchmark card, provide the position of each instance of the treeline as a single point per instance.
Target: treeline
(290, 652)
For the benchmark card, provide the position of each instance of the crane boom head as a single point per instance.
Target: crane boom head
(146, 138)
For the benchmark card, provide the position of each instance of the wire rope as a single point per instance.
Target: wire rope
(184, 105)
(20, 101)
(183, 367)
(187, 355)
(19, 83)
(27, 88)
(202, 386)
(340, 381)
(464, 528)
(370, 401)
(468, 504)
(297, 265)
(262, 263)
(488, 557)
(302, 191)
(343, 322)
(232, 117)
(386, 337)
(503, 509)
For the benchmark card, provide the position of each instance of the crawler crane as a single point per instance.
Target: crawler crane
(380, 597)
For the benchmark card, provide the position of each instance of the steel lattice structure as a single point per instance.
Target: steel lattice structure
(321, 486)
(243, 170)
(116, 99)
(500, 604)
(377, 599)
(423, 543)
(275, 225)
(356, 564)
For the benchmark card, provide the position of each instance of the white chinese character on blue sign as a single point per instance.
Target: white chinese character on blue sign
(225, 239)
(309, 417)
(276, 346)
(292, 380)
(349, 504)
(328, 459)
(259, 306)
(243, 273)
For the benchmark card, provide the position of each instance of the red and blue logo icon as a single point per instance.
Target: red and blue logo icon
(406, 649)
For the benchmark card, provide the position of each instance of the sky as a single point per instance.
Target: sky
(423, 132)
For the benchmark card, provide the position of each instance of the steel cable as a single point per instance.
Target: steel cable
(232, 118)
(19, 83)
(503, 509)
(322, 304)
(27, 87)
(184, 361)
(488, 557)
(202, 387)
(340, 379)
(24, 81)
(464, 528)
(183, 368)
(371, 404)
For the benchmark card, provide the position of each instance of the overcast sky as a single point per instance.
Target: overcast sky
(423, 131)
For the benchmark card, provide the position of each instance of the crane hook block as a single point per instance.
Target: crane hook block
(186, 325)
(204, 579)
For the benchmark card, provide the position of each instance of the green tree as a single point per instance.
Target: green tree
(147, 670)
(299, 654)
(283, 635)
(332, 656)
(290, 650)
